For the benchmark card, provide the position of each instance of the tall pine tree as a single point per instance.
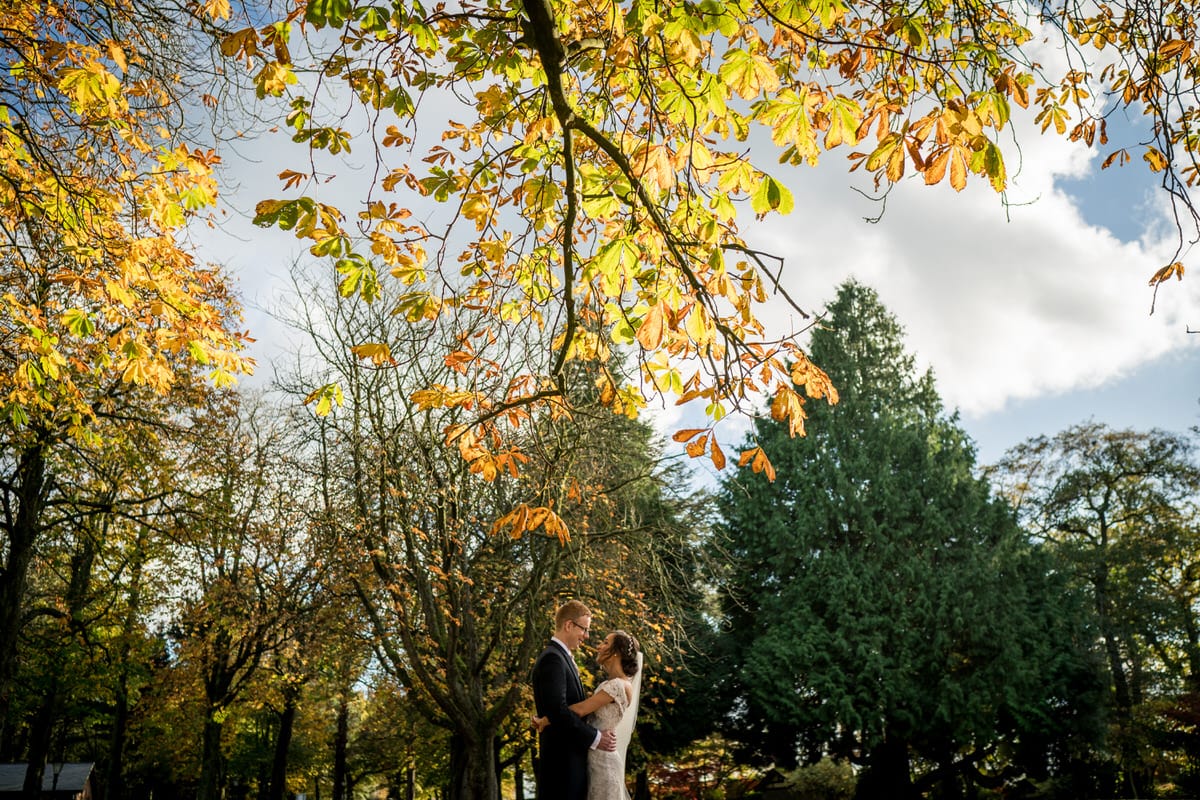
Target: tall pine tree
(881, 605)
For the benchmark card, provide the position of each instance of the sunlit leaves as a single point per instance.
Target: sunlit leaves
(326, 398)
(601, 164)
(525, 519)
(100, 183)
(747, 74)
(322, 13)
(772, 195)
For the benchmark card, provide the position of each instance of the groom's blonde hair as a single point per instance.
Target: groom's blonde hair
(569, 612)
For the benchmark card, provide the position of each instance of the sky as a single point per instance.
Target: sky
(1033, 309)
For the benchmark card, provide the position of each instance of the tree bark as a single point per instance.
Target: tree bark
(887, 773)
(114, 781)
(211, 761)
(340, 741)
(472, 768)
(29, 493)
(283, 742)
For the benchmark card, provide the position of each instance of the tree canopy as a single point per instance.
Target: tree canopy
(599, 160)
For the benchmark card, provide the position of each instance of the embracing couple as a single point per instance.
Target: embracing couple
(582, 740)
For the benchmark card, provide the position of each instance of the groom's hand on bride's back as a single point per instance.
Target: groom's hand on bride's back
(608, 741)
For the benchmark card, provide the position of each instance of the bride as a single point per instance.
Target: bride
(613, 706)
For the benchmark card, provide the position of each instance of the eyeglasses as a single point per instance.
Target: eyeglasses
(577, 625)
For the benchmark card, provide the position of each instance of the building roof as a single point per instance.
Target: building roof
(56, 778)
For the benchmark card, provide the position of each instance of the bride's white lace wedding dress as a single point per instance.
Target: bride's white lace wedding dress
(606, 770)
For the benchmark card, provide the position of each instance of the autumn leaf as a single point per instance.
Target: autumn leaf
(772, 195)
(758, 461)
(717, 455)
(326, 397)
(377, 352)
(650, 331)
(1166, 273)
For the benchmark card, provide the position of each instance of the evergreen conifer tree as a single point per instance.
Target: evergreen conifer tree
(882, 605)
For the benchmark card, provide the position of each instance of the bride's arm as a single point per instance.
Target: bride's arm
(597, 700)
(583, 707)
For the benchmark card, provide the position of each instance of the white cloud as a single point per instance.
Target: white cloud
(1003, 303)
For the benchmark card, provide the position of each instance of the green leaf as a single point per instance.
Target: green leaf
(772, 196)
(322, 13)
(79, 323)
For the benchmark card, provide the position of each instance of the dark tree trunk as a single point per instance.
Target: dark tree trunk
(641, 787)
(340, 742)
(41, 728)
(472, 769)
(282, 743)
(28, 497)
(114, 784)
(211, 762)
(887, 775)
(114, 780)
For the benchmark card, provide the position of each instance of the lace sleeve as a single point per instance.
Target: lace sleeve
(615, 688)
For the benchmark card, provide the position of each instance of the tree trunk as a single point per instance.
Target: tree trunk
(282, 742)
(340, 740)
(114, 782)
(41, 728)
(30, 483)
(887, 775)
(472, 769)
(211, 762)
(641, 787)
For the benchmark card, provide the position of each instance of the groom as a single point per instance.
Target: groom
(564, 744)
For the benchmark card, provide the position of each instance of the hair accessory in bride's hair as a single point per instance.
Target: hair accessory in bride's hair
(627, 648)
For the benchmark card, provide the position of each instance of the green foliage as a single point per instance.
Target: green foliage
(881, 604)
(825, 780)
(1118, 509)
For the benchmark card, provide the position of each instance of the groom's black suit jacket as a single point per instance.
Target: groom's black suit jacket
(563, 746)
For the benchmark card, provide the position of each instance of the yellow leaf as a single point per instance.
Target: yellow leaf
(439, 396)
(1157, 161)
(699, 325)
(958, 167)
(935, 167)
(117, 54)
(378, 352)
(217, 9)
(788, 407)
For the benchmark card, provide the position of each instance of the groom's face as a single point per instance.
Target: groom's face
(577, 632)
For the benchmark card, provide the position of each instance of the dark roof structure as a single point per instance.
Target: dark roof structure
(58, 780)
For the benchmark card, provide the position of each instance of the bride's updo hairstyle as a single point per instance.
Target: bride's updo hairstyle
(625, 646)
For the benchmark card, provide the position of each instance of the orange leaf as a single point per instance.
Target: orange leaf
(650, 332)
(748, 455)
(763, 464)
(1164, 274)
(718, 457)
(935, 168)
(687, 433)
